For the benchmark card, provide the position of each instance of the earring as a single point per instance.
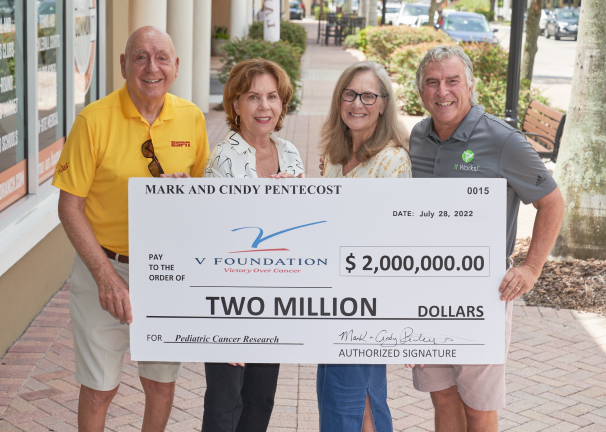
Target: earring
(281, 118)
(237, 120)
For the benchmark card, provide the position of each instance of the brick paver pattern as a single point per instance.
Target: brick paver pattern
(556, 370)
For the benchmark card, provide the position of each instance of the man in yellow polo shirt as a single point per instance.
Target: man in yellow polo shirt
(138, 131)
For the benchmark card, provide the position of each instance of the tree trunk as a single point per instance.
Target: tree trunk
(433, 7)
(362, 9)
(532, 35)
(372, 13)
(492, 5)
(581, 166)
(383, 12)
(347, 7)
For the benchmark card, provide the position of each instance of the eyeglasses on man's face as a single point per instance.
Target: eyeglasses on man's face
(366, 98)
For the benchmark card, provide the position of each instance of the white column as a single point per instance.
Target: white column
(249, 8)
(180, 27)
(372, 13)
(239, 22)
(257, 7)
(201, 53)
(146, 12)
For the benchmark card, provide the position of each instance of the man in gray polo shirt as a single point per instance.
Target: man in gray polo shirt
(460, 140)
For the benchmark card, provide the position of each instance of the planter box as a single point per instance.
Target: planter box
(218, 47)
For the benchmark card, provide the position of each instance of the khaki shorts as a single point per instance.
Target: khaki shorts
(482, 387)
(100, 340)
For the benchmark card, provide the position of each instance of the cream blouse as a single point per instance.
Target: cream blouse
(391, 162)
(234, 157)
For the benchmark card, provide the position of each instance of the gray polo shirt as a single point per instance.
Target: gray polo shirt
(483, 147)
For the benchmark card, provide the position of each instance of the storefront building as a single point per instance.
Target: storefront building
(56, 57)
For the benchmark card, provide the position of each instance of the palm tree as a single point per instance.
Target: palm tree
(581, 167)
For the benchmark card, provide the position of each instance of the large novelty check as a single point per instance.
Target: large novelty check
(317, 271)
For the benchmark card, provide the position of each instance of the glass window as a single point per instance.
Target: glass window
(51, 95)
(469, 24)
(569, 14)
(13, 183)
(415, 10)
(85, 53)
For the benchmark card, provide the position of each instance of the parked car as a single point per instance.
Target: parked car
(545, 14)
(467, 27)
(392, 11)
(563, 23)
(296, 11)
(410, 13)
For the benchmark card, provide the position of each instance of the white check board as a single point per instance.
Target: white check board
(317, 270)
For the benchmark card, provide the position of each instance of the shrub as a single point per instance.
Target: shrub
(381, 42)
(289, 32)
(406, 59)
(352, 41)
(285, 54)
(488, 14)
(473, 5)
(221, 33)
(317, 11)
(363, 42)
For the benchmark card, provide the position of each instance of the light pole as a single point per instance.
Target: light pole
(515, 59)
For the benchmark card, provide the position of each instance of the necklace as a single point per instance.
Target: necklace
(272, 162)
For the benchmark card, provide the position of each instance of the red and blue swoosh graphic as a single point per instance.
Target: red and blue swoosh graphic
(261, 239)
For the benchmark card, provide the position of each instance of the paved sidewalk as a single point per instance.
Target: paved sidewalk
(556, 372)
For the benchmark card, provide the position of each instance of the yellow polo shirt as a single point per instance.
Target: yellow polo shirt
(103, 150)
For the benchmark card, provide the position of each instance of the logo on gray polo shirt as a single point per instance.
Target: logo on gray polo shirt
(467, 156)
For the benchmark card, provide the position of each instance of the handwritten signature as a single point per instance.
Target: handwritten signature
(389, 339)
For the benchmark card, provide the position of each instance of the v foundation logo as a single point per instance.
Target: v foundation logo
(261, 239)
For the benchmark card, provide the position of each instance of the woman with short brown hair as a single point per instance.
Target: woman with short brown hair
(240, 397)
(255, 98)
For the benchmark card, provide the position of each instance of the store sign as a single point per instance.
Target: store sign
(51, 136)
(85, 15)
(13, 165)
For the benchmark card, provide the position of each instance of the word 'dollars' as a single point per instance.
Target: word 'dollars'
(309, 307)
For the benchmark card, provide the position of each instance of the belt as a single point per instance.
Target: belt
(113, 255)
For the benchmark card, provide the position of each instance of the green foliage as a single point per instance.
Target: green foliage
(488, 14)
(352, 41)
(490, 70)
(221, 33)
(408, 94)
(363, 42)
(285, 54)
(381, 42)
(317, 11)
(289, 32)
(473, 5)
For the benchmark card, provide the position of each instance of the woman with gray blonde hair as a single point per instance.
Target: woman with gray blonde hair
(362, 129)
(362, 137)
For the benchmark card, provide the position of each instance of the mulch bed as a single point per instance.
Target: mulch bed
(578, 284)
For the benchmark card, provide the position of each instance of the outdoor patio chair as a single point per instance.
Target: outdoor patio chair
(331, 29)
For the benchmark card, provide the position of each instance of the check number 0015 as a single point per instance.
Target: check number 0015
(415, 261)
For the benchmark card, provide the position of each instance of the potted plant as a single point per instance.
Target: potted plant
(220, 38)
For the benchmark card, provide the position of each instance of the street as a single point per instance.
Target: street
(553, 66)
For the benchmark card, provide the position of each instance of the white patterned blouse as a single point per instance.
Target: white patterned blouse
(234, 157)
(391, 162)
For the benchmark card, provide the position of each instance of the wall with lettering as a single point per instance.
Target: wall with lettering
(12, 86)
(51, 129)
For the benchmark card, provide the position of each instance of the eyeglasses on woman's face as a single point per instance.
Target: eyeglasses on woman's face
(366, 98)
